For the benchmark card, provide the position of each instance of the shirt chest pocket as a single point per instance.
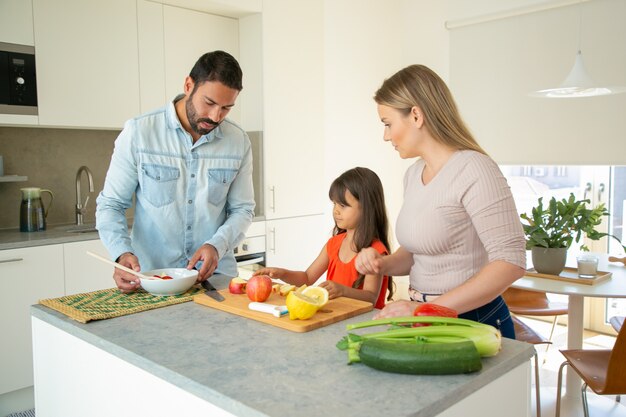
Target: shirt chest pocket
(159, 183)
(219, 184)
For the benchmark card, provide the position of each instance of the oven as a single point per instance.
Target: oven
(18, 86)
(250, 253)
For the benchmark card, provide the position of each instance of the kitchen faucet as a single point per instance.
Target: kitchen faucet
(81, 208)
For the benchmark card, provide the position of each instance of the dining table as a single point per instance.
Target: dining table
(611, 287)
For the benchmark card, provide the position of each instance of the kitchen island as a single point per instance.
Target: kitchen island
(189, 359)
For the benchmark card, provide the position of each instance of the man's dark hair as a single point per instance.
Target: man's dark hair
(217, 66)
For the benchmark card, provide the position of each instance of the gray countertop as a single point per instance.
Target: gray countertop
(58, 234)
(14, 239)
(253, 369)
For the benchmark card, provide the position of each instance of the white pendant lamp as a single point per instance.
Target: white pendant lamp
(578, 83)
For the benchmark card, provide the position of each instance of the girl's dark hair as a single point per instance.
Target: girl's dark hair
(367, 189)
(217, 66)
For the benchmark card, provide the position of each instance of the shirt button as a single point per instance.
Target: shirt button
(193, 175)
(190, 201)
(188, 227)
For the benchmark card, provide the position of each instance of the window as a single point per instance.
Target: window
(599, 184)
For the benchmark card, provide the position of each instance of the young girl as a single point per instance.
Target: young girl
(360, 222)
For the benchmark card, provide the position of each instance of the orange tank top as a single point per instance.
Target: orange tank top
(346, 273)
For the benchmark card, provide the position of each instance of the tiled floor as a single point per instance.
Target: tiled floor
(549, 366)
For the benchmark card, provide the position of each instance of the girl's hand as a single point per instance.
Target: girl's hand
(277, 273)
(334, 290)
(402, 308)
(369, 261)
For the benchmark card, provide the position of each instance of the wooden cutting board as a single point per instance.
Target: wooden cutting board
(336, 310)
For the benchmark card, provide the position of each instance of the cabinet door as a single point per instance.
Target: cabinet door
(26, 276)
(84, 273)
(202, 33)
(87, 62)
(293, 72)
(295, 243)
(16, 22)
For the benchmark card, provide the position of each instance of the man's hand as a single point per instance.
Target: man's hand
(127, 282)
(208, 255)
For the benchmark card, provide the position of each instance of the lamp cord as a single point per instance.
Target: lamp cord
(580, 23)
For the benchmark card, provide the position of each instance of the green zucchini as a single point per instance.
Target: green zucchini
(420, 358)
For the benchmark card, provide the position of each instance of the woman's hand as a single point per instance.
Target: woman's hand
(369, 261)
(334, 290)
(278, 273)
(402, 308)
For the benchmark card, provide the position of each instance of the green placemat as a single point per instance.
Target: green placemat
(105, 304)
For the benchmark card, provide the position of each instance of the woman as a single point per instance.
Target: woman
(461, 241)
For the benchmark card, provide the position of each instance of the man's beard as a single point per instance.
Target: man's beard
(194, 121)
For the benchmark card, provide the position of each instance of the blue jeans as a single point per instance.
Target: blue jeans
(495, 313)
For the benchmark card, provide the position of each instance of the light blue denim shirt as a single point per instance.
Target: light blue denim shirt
(187, 194)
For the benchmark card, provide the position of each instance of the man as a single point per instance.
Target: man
(190, 170)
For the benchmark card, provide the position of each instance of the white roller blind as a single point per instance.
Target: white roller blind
(494, 64)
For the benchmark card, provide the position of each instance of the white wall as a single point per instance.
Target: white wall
(496, 63)
(366, 41)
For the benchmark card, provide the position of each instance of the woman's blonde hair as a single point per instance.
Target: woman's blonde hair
(418, 85)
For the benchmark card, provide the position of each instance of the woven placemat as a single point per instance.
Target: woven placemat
(106, 304)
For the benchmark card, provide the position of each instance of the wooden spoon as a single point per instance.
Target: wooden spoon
(614, 259)
(122, 267)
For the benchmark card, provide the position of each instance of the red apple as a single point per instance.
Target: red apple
(259, 288)
(237, 286)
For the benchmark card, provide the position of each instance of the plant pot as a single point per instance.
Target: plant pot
(549, 260)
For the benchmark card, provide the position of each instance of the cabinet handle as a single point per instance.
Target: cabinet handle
(273, 199)
(6, 261)
(600, 191)
(587, 189)
(273, 246)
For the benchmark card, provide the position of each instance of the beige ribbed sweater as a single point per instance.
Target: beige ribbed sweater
(464, 218)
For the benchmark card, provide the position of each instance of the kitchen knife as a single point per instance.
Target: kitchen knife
(211, 291)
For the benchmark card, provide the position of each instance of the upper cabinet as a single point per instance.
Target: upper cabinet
(87, 62)
(167, 52)
(16, 22)
(293, 103)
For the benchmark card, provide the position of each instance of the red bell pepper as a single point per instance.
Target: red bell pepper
(430, 309)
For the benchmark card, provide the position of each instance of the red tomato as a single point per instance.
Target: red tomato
(163, 277)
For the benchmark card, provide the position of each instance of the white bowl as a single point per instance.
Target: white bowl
(182, 280)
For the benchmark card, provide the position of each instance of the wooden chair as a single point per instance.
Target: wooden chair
(533, 303)
(525, 334)
(601, 370)
(617, 322)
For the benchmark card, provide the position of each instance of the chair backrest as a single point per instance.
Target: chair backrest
(516, 296)
(615, 381)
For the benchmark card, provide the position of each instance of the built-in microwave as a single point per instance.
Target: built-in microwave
(18, 82)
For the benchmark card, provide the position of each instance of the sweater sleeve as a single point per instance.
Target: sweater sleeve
(489, 203)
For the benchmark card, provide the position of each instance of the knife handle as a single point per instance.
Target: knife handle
(277, 311)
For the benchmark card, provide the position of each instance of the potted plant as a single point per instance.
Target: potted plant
(551, 230)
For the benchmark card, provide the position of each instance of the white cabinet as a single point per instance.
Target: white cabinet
(294, 243)
(167, 52)
(293, 76)
(84, 273)
(26, 276)
(16, 22)
(87, 62)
